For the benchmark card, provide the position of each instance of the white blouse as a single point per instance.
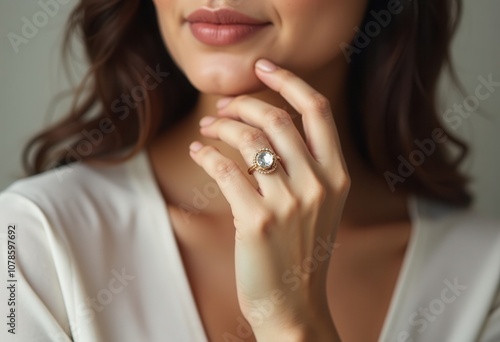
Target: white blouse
(93, 257)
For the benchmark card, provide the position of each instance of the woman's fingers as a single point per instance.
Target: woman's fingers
(230, 178)
(249, 124)
(273, 123)
(317, 117)
(248, 140)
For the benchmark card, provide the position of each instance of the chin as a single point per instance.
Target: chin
(225, 81)
(223, 75)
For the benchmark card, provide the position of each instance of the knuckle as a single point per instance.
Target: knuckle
(317, 194)
(343, 182)
(278, 119)
(320, 104)
(252, 136)
(264, 222)
(291, 206)
(225, 169)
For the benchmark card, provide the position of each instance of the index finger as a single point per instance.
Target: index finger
(317, 117)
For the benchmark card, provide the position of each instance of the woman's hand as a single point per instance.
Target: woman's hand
(286, 229)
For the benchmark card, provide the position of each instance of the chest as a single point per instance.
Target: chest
(359, 294)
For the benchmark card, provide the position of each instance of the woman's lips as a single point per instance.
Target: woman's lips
(218, 35)
(223, 27)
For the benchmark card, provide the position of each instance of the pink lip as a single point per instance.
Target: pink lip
(223, 27)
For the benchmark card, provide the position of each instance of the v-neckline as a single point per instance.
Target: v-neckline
(184, 287)
(404, 275)
(154, 197)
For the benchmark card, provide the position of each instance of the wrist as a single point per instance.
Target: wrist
(300, 333)
(317, 328)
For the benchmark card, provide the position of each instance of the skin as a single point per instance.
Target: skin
(318, 192)
(278, 226)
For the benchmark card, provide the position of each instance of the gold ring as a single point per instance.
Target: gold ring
(264, 161)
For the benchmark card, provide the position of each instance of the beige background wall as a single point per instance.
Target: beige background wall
(31, 76)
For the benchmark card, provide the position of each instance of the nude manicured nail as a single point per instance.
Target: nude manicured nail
(195, 146)
(266, 66)
(206, 120)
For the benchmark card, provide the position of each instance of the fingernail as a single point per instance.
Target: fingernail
(207, 120)
(266, 66)
(195, 146)
(223, 102)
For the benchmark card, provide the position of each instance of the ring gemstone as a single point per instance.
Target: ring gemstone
(265, 159)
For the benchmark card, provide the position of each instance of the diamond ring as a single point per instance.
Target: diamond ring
(264, 161)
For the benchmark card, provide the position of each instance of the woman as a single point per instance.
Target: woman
(318, 200)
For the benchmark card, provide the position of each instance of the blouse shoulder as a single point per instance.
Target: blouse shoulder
(75, 198)
(451, 283)
(70, 183)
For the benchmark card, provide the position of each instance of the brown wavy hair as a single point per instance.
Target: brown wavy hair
(392, 92)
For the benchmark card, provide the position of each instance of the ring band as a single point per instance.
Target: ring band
(264, 161)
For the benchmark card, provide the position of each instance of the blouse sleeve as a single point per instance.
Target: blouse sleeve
(32, 305)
